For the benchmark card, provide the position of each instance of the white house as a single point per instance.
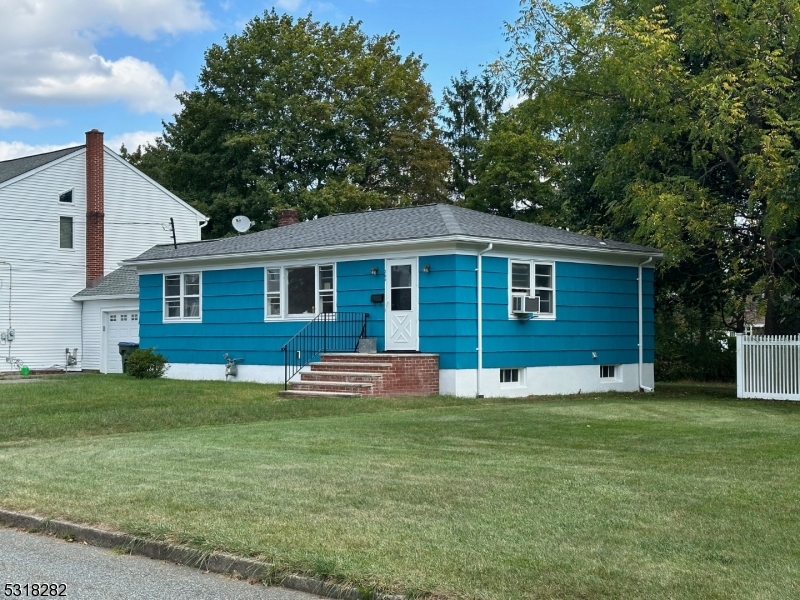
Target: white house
(68, 218)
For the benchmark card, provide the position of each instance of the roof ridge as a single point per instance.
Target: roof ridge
(450, 221)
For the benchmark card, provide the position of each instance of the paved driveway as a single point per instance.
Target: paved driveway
(91, 573)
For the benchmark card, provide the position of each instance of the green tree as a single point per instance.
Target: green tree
(470, 105)
(678, 125)
(296, 113)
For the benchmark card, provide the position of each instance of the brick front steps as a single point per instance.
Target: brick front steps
(384, 375)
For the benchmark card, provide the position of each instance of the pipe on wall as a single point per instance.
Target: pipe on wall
(641, 328)
(479, 349)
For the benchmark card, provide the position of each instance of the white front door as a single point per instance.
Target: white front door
(402, 322)
(118, 326)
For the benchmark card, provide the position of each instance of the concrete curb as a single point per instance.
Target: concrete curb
(215, 562)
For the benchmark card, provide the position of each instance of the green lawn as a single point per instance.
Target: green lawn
(686, 493)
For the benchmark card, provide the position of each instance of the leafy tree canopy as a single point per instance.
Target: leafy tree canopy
(294, 113)
(674, 123)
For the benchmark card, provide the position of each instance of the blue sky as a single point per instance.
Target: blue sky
(73, 65)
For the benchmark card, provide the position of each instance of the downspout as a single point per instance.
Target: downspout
(641, 329)
(479, 271)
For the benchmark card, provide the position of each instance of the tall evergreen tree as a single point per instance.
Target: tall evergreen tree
(470, 106)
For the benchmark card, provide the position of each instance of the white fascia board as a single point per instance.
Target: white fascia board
(106, 297)
(52, 163)
(453, 243)
(109, 152)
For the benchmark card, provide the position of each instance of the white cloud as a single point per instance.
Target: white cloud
(9, 150)
(514, 101)
(132, 139)
(49, 53)
(99, 80)
(10, 118)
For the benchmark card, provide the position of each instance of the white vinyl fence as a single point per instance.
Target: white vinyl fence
(768, 367)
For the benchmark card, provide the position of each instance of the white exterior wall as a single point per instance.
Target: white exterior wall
(44, 316)
(92, 325)
(545, 381)
(137, 211)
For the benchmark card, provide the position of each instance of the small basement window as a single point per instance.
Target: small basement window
(65, 197)
(608, 371)
(509, 375)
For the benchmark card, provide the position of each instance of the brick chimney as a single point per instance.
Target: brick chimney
(288, 216)
(95, 207)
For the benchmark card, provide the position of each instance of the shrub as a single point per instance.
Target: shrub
(146, 363)
(693, 349)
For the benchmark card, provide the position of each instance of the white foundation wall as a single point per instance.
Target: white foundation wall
(92, 328)
(544, 381)
(216, 372)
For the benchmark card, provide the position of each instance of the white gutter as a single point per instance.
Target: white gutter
(641, 329)
(479, 271)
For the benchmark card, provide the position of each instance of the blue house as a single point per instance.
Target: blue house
(555, 312)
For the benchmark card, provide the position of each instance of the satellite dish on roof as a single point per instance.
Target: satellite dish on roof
(241, 223)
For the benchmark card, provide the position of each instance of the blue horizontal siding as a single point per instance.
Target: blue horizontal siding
(596, 311)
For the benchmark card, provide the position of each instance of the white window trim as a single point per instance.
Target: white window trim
(532, 262)
(181, 319)
(617, 374)
(63, 203)
(58, 236)
(512, 384)
(284, 316)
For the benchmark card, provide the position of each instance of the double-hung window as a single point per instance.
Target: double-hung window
(182, 297)
(297, 291)
(532, 278)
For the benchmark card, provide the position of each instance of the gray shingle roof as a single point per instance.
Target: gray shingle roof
(412, 223)
(122, 282)
(16, 167)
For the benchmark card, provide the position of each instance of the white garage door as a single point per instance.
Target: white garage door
(119, 326)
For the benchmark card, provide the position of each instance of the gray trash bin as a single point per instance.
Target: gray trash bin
(125, 349)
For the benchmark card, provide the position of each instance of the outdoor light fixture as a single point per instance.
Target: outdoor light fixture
(374, 270)
(426, 269)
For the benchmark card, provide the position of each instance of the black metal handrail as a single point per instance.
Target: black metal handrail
(328, 332)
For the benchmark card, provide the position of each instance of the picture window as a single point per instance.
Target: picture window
(301, 290)
(65, 197)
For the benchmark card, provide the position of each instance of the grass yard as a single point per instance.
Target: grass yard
(686, 493)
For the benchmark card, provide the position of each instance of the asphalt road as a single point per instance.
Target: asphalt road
(91, 573)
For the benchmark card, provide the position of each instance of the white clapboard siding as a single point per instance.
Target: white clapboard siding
(768, 367)
(45, 317)
(137, 211)
(45, 277)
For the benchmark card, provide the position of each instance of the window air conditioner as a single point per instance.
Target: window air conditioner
(522, 305)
